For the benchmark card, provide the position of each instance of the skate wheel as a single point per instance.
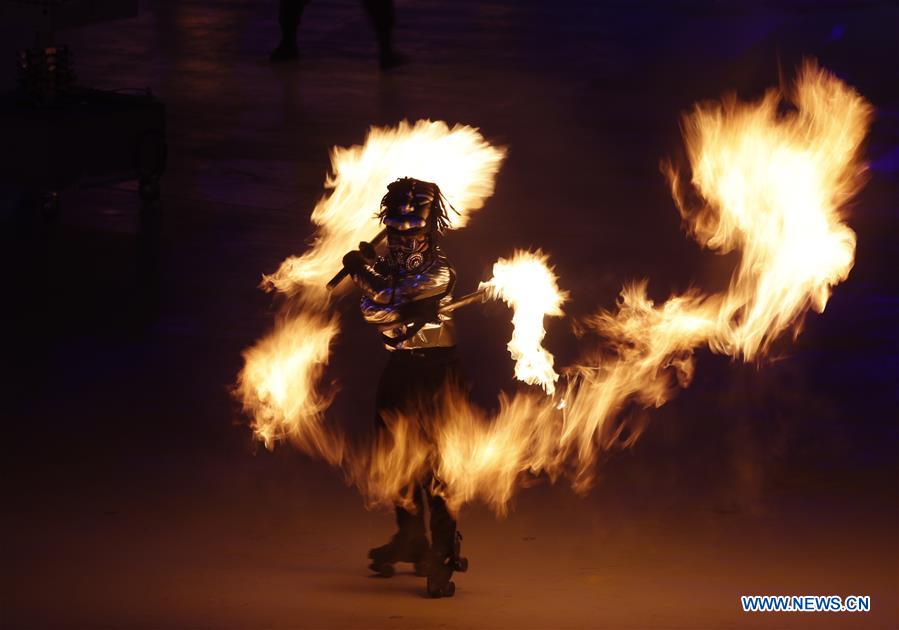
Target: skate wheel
(450, 589)
(384, 570)
(462, 565)
(434, 589)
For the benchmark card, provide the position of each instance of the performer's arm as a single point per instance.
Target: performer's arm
(370, 276)
(409, 297)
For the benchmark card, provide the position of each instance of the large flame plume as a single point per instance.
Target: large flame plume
(527, 284)
(279, 383)
(771, 185)
(774, 188)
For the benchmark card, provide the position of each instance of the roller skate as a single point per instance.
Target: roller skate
(441, 566)
(401, 548)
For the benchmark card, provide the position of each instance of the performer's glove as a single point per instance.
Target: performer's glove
(368, 252)
(354, 261)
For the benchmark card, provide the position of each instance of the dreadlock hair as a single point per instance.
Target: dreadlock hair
(398, 192)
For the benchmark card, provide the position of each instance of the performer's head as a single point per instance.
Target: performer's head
(415, 213)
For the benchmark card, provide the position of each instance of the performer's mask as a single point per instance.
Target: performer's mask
(406, 212)
(409, 251)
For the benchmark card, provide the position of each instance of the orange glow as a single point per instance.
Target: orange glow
(773, 186)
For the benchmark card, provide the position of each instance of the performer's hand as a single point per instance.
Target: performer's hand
(368, 251)
(354, 261)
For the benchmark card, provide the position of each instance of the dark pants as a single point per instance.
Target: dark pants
(413, 379)
(380, 12)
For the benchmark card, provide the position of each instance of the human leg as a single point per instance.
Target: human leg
(289, 14)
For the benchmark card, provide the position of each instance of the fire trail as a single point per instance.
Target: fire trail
(772, 186)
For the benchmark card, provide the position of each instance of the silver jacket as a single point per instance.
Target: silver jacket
(404, 305)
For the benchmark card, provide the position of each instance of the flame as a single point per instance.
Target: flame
(483, 458)
(772, 186)
(458, 159)
(529, 287)
(278, 386)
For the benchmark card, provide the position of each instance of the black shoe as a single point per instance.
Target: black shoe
(401, 548)
(284, 52)
(390, 60)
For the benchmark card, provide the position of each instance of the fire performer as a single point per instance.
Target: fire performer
(403, 292)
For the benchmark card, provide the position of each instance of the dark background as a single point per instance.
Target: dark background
(133, 493)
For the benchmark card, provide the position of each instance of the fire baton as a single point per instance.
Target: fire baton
(343, 273)
(470, 298)
(476, 296)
